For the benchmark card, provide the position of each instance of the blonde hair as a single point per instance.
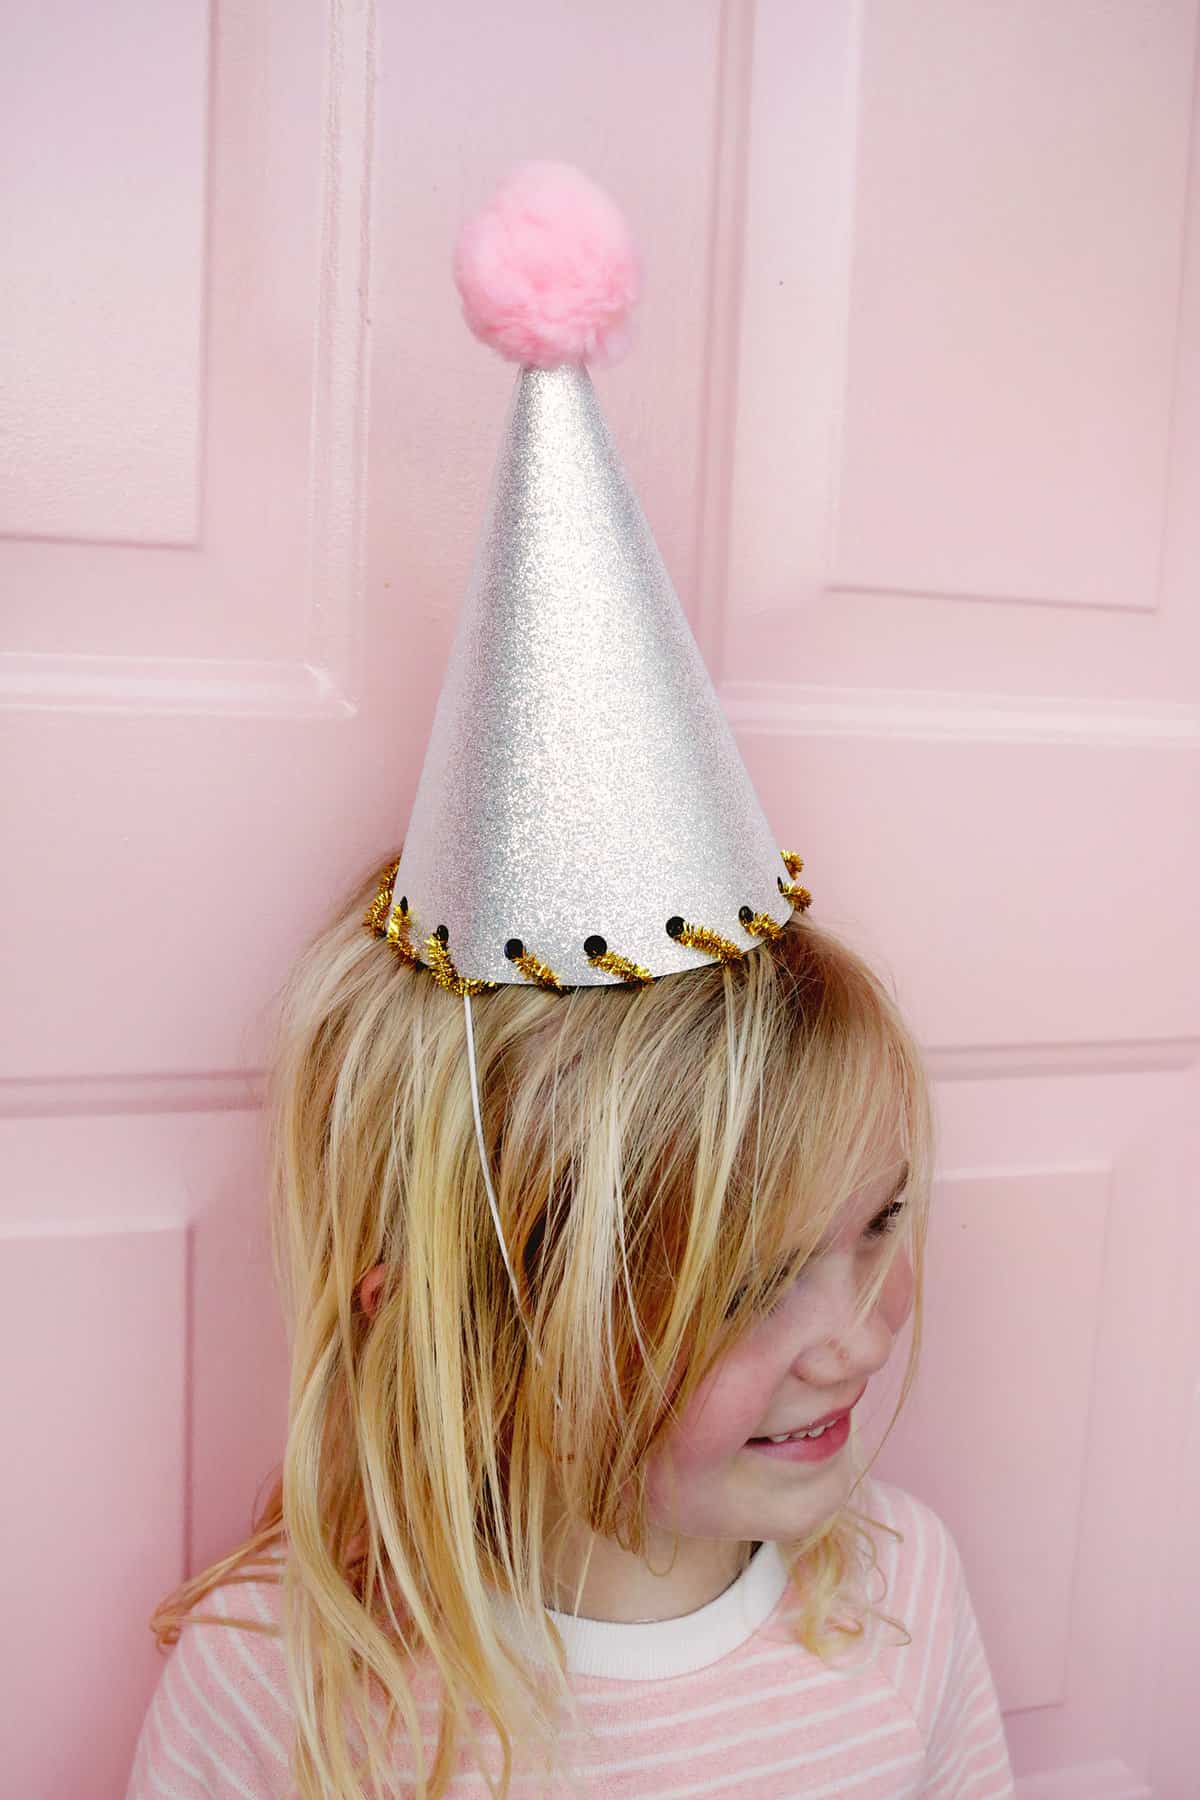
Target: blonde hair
(653, 1151)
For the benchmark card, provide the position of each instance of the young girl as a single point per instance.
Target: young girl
(588, 1257)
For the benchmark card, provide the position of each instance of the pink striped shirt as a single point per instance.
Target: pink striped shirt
(721, 1702)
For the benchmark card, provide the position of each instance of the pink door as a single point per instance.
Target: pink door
(915, 414)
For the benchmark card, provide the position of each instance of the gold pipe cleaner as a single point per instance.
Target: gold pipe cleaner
(799, 896)
(535, 970)
(612, 964)
(376, 914)
(699, 937)
(441, 967)
(759, 924)
(398, 927)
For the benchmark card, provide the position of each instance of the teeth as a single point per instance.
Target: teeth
(789, 1435)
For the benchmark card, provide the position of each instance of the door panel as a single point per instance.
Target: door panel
(914, 412)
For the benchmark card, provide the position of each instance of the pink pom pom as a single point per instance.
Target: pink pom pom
(548, 272)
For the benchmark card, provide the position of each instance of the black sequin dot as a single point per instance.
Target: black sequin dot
(595, 945)
(745, 914)
(675, 926)
(513, 949)
(404, 903)
(443, 932)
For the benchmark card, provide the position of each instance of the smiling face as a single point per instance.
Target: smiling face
(808, 1357)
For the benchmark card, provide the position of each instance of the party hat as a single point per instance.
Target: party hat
(583, 815)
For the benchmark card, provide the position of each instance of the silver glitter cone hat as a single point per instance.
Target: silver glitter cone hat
(583, 815)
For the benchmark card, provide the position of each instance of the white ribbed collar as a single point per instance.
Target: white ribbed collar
(665, 1647)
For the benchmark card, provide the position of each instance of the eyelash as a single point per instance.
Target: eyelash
(881, 1225)
(889, 1216)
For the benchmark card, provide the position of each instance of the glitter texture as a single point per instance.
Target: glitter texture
(581, 777)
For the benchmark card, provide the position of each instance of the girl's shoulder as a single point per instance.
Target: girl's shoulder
(919, 1557)
(938, 1663)
(219, 1720)
(915, 1543)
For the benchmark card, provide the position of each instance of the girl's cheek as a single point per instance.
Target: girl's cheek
(730, 1404)
(724, 1411)
(896, 1298)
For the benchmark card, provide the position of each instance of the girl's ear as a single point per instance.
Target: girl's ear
(368, 1289)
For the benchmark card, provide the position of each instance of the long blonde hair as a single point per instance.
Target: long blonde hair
(653, 1150)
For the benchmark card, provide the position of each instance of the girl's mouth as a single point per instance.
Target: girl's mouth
(807, 1449)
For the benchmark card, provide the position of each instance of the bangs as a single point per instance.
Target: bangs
(841, 1101)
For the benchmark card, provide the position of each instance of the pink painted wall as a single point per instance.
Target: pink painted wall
(915, 415)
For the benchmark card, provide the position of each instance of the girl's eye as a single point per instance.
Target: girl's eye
(785, 1289)
(885, 1221)
(880, 1226)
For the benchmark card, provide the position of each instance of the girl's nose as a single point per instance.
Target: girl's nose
(835, 1349)
(851, 1358)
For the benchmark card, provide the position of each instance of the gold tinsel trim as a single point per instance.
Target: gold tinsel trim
(612, 964)
(699, 937)
(441, 967)
(762, 925)
(539, 972)
(398, 927)
(376, 914)
(391, 922)
(799, 896)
